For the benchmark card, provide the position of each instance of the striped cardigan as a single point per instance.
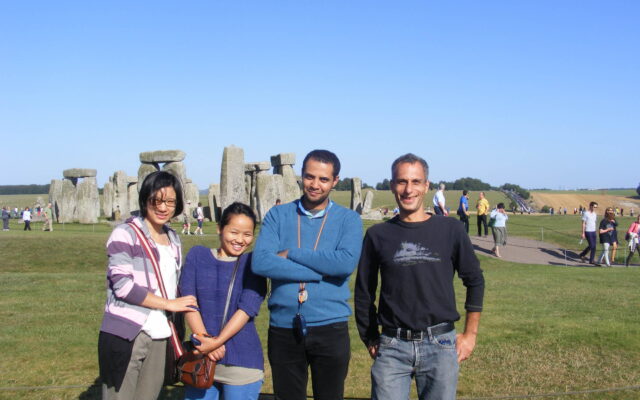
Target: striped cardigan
(130, 277)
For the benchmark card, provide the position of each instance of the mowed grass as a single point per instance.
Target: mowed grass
(544, 329)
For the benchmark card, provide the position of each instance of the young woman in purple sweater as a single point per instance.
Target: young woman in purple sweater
(207, 275)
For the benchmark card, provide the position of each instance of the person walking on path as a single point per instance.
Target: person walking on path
(589, 218)
(416, 256)
(5, 218)
(499, 229)
(439, 202)
(208, 275)
(463, 209)
(26, 218)
(483, 209)
(309, 249)
(607, 231)
(632, 238)
(200, 219)
(48, 219)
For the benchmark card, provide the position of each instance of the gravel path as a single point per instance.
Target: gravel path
(529, 251)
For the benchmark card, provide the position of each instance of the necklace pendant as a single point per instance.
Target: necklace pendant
(302, 296)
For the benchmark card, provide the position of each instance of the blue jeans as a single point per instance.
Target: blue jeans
(433, 362)
(250, 391)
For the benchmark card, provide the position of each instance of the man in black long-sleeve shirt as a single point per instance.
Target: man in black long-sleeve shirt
(416, 255)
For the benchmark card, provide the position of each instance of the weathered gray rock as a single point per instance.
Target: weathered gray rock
(356, 195)
(368, 201)
(214, 202)
(291, 188)
(282, 159)
(178, 169)
(67, 202)
(260, 166)
(79, 173)
(121, 185)
(143, 171)
(192, 194)
(250, 190)
(269, 189)
(132, 200)
(162, 156)
(55, 197)
(232, 184)
(132, 179)
(107, 198)
(87, 201)
(252, 170)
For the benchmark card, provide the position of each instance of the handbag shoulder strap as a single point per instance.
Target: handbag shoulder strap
(231, 284)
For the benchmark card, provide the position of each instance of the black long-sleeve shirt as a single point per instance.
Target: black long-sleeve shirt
(416, 262)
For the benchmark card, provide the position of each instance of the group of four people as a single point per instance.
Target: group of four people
(308, 249)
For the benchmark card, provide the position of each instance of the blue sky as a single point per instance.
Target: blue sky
(537, 93)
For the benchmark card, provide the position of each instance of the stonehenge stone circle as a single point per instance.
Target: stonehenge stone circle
(87, 201)
(269, 189)
(283, 165)
(356, 195)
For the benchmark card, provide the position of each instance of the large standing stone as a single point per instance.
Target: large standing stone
(269, 189)
(67, 202)
(107, 198)
(368, 201)
(356, 195)
(121, 193)
(178, 169)
(192, 194)
(214, 202)
(252, 170)
(88, 201)
(55, 197)
(162, 156)
(283, 165)
(232, 184)
(143, 171)
(133, 206)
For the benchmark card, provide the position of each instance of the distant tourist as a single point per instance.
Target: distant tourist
(589, 218)
(26, 218)
(200, 218)
(416, 256)
(631, 213)
(48, 219)
(632, 238)
(134, 335)
(622, 212)
(5, 218)
(608, 234)
(186, 219)
(499, 229)
(483, 209)
(463, 209)
(439, 202)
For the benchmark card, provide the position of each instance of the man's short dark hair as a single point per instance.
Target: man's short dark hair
(409, 158)
(156, 181)
(593, 203)
(323, 156)
(465, 192)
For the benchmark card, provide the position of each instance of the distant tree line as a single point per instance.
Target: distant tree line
(471, 184)
(345, 185)
(24, 189)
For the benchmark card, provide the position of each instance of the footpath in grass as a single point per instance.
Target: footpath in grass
(545, 329)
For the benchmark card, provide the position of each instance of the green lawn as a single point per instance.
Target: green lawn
(545, 329)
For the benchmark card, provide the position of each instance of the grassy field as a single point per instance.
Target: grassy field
(544, 330)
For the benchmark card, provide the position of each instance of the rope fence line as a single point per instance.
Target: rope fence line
(499, 397)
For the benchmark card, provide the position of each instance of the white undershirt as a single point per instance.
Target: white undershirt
(156, 324)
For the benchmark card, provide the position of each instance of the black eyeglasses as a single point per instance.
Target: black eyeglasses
(170, 203)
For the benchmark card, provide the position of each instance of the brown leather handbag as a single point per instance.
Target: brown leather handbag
(196, 369)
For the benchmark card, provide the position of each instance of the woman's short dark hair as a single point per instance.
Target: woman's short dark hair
(236, 208)
(153, 183)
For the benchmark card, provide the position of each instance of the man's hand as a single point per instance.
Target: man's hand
(465, 343)
(284, 253)
(373, 349)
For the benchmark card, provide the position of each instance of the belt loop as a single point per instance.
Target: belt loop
(430, 334)
(398, 333)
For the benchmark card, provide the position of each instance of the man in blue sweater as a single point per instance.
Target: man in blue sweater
(309, 248)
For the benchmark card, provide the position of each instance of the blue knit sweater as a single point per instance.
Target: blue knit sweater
(208, 278)
(325, 271)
